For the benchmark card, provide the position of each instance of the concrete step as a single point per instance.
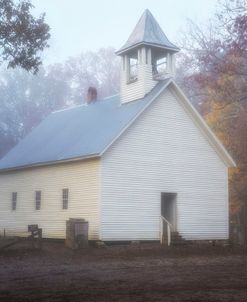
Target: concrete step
(177, 239)
(176, 235)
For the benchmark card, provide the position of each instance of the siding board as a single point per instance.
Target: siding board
(81, 178)
(139, 88)
(163, 151)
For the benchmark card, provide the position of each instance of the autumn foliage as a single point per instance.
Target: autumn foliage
(217, 83)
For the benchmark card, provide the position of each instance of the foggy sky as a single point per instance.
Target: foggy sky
(81, 25)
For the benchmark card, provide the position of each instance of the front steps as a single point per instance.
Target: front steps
(177, 239)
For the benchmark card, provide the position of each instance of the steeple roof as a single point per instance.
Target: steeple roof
(147, 32)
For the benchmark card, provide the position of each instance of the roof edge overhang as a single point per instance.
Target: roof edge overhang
(202, 125)
(197, 118)
(126, 49)
(49, 163)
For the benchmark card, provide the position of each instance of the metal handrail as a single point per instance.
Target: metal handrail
(169, 227)
(162, 217)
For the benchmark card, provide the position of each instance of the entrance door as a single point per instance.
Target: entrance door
(168, 208)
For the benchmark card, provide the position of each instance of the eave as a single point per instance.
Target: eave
(50, 163)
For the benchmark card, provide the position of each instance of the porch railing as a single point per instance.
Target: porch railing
(164, 221)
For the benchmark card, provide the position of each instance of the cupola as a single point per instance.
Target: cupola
(147, 57)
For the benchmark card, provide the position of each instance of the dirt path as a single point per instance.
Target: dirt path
(130, 273)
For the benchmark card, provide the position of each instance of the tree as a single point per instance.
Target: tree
(22, 36)
(26, 99)
(217, 83)
(100, 69)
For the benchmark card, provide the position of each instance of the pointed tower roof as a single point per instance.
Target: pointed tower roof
(147, 32)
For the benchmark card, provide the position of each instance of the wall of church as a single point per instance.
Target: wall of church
(134, 90)
(163, 151)
(81, 178)
(138, 89)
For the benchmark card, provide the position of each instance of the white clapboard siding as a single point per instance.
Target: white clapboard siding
(139, 88)
(163, 151)
(82, 180)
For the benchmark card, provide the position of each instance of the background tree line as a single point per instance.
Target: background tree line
(26, 99)
(212, 69)
(213, 72)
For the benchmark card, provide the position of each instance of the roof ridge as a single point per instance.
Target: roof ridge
(68, 108)
(148, 13)
(145, 22)
(84, 104)
(110, 96)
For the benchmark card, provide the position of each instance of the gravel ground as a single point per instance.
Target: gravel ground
(144, 272)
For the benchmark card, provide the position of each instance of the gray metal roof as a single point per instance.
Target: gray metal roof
(147, 31)
(78, 132)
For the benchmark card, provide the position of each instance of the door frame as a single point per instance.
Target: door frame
(174, 208)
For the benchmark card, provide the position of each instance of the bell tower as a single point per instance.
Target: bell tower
(147, 57)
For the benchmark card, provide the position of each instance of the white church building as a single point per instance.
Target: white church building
(141, 165)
